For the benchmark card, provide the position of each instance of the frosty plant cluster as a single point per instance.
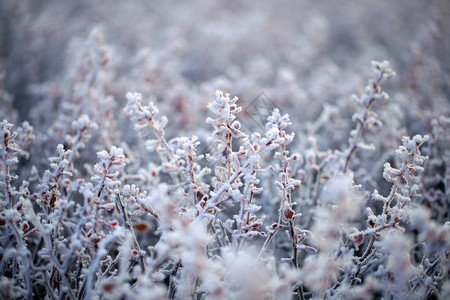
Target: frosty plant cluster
(273, 219)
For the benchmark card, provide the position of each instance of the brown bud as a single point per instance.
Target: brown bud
(25, 226)
(141, 226)
(358, 239)
(109, 287)
(289, 212)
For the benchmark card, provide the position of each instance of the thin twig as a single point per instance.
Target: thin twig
(128, 224)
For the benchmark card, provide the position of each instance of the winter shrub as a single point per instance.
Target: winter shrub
(126, 195)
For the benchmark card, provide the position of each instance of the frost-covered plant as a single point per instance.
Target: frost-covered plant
(367, 118)
(216, 210)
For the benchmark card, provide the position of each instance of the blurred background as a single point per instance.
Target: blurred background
(301, 54)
